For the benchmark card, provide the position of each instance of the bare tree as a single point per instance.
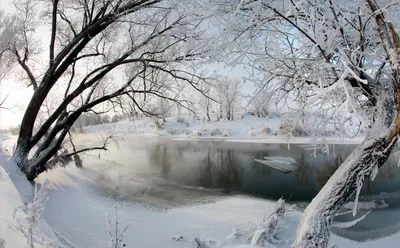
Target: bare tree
(7, 29)
(260, 103)
(229, 92)
(343, 58)
(206, 100)
(163, 109)
(99, 51)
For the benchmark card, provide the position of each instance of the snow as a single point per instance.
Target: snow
(75, 213)
(283, 164)
(10, 201)
(366, 205)
(286, 160)
(13, 219)
(247, 129)
(280, 166)
(83, 222)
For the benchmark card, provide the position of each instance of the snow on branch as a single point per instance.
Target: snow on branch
(29, 225)
(66, 157)
(103, 147)
(262, 236)
(268, 229)
(116, 234)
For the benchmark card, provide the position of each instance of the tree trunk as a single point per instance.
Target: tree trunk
(208, 115)
(363, 162)
(20, 156)
(26, 166)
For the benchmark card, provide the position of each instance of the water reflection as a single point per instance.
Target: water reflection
(231, 167)
(175, 171)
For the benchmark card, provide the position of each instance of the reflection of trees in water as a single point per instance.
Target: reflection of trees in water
(217, 165)
(158, 156)
(228, 176)
(219, 168)
(206, 170)
(323, 172)
(210, 166)
(301, 174)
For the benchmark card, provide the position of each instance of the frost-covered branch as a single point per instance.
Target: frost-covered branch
(34, 212)
(116, 234)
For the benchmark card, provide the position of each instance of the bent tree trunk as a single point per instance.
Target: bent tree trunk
(32, 167)
(363, 162)
(313, 230)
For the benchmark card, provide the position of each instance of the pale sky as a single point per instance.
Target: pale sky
(18, 98)
(6, 5)
(19, 95)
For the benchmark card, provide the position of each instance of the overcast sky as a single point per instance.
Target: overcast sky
(18, 95)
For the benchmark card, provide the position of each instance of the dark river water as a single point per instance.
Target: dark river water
(177, 170)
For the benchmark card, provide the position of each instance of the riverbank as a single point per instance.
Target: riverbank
(277, 129)
(76, 215)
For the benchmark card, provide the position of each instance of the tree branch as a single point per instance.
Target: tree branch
(53, 31)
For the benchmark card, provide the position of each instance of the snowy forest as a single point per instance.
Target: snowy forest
(199, 123)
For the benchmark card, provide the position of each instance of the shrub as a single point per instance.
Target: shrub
(180, 119)
(266, 131)
(216, 132)
(289, 127)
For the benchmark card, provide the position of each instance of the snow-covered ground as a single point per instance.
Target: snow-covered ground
(188, 126)
(247, 129)
(75, 213)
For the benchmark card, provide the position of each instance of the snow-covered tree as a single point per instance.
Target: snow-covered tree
(7, 35)
(342, 59)
(261, 102)
(30, 226)
(206, 100)
(7, 27)
(229, 95)
(116, 239)
(97, 52)
(163, 108)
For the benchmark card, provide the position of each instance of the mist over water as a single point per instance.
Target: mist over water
(182, 172)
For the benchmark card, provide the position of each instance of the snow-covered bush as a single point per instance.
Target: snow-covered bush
(269, 227)
(200, 132)
(262, 236)
(216, 132)
(158, 122)
(180, 119)
(34, 211)
(290, 128)
(116, 235)
(226, 133)
(30, 225)
(266, 131)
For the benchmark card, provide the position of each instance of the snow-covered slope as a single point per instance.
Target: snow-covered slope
(194, 127)
(15, 220)
(82, 218)
(75, 215)
(10, 201)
